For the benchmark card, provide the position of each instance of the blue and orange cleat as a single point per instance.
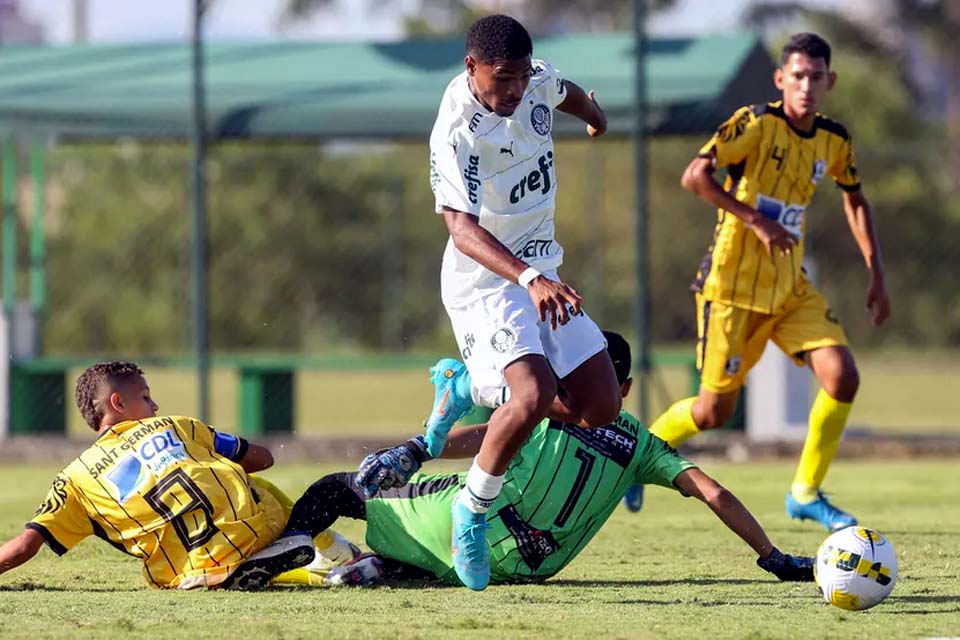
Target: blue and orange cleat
(633, 499)
(820, 510)
(468, 547)
(451, 402)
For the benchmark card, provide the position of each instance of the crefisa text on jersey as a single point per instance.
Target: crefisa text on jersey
(535, 180)
(471, 175)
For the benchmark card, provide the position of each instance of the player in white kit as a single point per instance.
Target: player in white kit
(517, 324)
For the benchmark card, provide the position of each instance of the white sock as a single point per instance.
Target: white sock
(490, 397)
(481, 490)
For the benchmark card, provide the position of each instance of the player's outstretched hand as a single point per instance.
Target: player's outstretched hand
(878, 301)
(787, 568)
(774, 237)
(391, 468)
(599, 126)
(556, 300)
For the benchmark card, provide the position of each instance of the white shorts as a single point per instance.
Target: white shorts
(497, 329)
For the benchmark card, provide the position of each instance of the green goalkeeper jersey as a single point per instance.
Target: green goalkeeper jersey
(557, 493)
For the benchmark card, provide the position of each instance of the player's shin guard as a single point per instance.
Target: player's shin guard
(676, 425)
(828, 417)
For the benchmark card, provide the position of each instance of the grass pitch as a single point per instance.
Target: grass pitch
(672, 571)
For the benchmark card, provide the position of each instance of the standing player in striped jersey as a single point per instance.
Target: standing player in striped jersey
(558, 492)
(518, 326)
(751, 286)
(168, 490)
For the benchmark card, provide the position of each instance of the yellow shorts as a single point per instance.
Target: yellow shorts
(731, 340)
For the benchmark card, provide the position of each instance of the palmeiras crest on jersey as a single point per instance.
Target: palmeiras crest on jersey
(540, 119)
(503, 340)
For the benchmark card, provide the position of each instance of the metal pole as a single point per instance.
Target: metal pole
(38, 280)
(199, 222)
(642, 297)
(9, 195)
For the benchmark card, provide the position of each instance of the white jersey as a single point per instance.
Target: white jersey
(502, 170)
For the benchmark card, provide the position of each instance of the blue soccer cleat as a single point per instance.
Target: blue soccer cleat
(451, 402)
(471, 556)
(633, 499)
(832, 518)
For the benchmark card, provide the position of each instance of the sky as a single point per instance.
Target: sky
(152, 20)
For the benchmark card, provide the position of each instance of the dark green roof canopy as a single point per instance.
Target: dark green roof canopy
(300, 90)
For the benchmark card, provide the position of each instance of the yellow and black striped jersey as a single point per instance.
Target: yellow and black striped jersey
(774, 168)
(167, 490)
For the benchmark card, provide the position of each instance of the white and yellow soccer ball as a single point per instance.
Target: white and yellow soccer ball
(856, 568)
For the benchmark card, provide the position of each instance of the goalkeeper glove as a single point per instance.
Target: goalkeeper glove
(787, 568)
(391, 468)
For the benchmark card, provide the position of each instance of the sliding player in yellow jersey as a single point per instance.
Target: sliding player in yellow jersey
(751, 286)
(168, 490)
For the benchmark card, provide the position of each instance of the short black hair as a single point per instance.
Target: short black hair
(619, 350)
(807, 43)
(95, 381)
(498, 37)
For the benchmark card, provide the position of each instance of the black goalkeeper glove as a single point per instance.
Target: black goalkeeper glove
(391, 468)
(787, 568)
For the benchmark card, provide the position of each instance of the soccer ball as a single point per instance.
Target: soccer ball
(856, 568)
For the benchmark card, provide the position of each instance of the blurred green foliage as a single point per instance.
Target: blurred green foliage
(328, 248)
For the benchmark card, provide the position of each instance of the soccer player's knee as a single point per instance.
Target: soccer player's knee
(842, 379)
(848, 382)
(712, 415)
(533, 401)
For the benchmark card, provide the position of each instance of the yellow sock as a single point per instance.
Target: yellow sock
(828, 417)
(676, 425)
(301, 577)
(325, 539)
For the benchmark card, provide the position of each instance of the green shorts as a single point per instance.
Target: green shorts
(412, 524)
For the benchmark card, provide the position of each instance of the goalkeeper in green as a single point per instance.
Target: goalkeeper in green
(558, 492)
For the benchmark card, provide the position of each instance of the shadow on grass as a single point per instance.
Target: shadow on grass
(922, 533)
(580, 584)
(653, 583)
(33, 586)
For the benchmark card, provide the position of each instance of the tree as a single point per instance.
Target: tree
(435, 17)
(919, 39)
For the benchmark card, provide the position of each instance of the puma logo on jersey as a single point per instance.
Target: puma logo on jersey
(507, 149)
(538, 180)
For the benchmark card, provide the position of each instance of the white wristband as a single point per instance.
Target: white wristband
(527, 276)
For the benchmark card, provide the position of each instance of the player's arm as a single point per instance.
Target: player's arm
(550, 297)
(392, 467)
(18, 550)
(256, 458)
(728, 508)
(252, 457)
(584, 106)
(735, 516)
(860, 218)
(476, 242)
(699, 179)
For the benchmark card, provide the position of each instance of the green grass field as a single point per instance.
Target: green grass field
(901, 391)
(671, 572)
